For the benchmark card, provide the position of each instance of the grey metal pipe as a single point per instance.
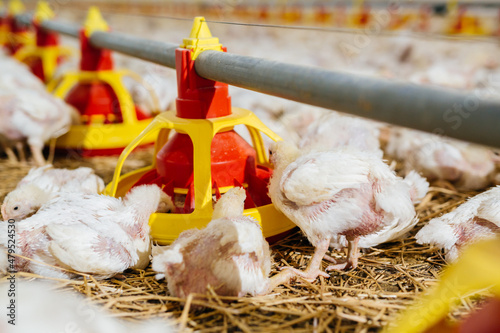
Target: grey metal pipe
(460, 115)
(24, 19)
(157, 52)
(62, 28)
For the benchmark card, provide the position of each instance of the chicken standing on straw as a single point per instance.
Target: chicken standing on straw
(34, 116)
(230, 254)
(43, 184)
(344, 192)
(88, 233)
(476, 219)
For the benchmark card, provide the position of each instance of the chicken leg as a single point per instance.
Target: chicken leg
(37, 156)
(352, 256)
(20, 151)
(52, 150)
(10, 154)
(312, 271)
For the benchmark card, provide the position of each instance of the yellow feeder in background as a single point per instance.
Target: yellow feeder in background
(462, 24)
(18, 35)
(360, 15)
(110, 119)
(43, 57)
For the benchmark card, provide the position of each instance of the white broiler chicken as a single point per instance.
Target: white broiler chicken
(476, 219)
(230, 254)
(333, 131)
(341, 193)
(443, 75)
(44, 183)
(17, 75)
(35, 116)
(88, 233)
(468, 166)
(52, 310)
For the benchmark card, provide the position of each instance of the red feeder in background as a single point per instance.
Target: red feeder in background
(16, 35)
(109, 117)
(44, 57)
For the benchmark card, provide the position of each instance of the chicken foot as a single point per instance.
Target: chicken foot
(10, 154)
(352, 257)
(312, 271)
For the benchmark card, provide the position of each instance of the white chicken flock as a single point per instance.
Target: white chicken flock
(28, 112)
(330, 179)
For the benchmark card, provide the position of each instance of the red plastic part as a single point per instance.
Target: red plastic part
(95, 99)
(36, 67)
(93, 59)
(229, 152)
(45, 37)
(198, 98)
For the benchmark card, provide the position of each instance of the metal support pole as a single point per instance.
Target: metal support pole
(62, 28)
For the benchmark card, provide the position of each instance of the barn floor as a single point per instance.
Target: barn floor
(389, 278)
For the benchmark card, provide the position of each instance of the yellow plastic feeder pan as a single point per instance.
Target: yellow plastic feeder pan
(166, 227)
(97, 138)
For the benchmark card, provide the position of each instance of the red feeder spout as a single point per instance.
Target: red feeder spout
(198, 98)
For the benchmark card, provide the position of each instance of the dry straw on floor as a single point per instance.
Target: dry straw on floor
(388, 278)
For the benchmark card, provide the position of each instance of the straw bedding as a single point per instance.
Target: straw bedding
(388, 278)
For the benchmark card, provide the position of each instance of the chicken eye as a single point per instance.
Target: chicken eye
(270, 153)
(16, 208)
